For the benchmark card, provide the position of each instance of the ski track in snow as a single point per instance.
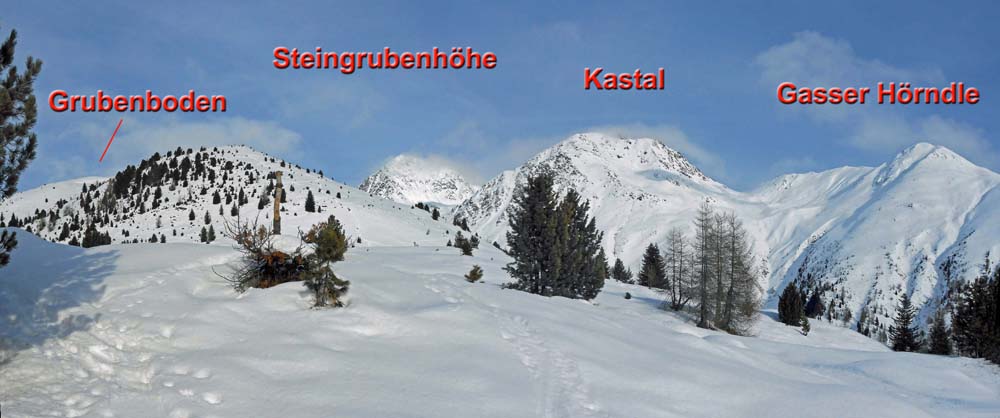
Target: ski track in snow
(417, 340)
(564, 393)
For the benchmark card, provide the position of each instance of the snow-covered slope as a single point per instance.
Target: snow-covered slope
(638, 189)
(862, 235)
(411, 179)
(915, 224)
(226, 171)
(149, 330)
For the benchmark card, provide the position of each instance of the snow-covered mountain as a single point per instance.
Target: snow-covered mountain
(158, 196)
(862, 235)
(411, 179)
(637, 188)
(917, 224)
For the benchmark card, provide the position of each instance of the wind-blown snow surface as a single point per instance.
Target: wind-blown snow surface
(411, 179)
(149, 330)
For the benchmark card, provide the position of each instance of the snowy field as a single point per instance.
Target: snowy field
(149, 330)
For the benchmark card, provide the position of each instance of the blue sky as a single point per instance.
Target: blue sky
(723, 62)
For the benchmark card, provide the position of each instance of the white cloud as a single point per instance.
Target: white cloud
(471, 173)
(893, 132)
(811, 59)
(816, 60)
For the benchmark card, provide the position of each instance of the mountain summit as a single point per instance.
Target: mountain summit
(860, 236)
(411, 179)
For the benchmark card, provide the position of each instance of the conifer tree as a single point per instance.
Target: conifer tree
(940, 343)
(677, 260)
(463, 243)
(310, 202)
(531, 239)
(556, 245)
(191, 215)
(18, 115)
(203, 236)
(790, 307)
(329, 245)
(976, 317)
(702, 262)
(814, 307)
(329, 240)
(903, 333)
(653, 272)
(434, 215)
(474, 275)
(620, 273)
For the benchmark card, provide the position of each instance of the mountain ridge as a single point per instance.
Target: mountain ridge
(859, 235)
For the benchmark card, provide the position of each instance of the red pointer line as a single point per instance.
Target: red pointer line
(111, 140)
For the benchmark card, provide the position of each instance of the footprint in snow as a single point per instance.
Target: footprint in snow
(212, 398)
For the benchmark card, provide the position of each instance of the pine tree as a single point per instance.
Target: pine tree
(329, 239)
(903, 333)
(531, 239)
(310, 202)
(462, 243)
(556, 245)
(208, 218)
(790, 306)
(203, 236)
(191, 215)
(434, 215)
(474, 275)
(329, 245)
(653, 272)
(805, 325)
(975, 317)
(814, 307)
(18, 115)
(940, 343)
(620, 273)
(210, 237)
